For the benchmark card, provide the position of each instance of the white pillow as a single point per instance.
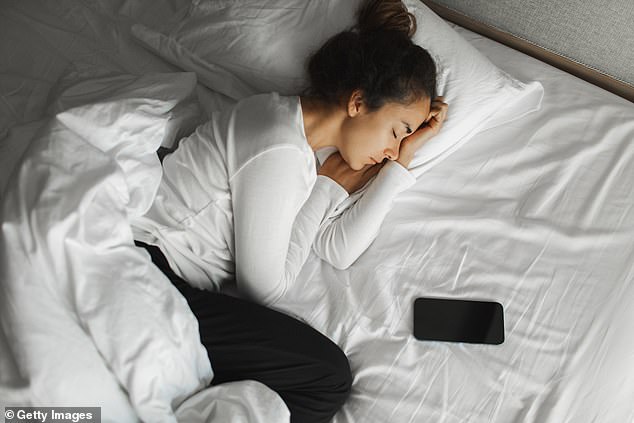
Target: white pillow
(244, 47)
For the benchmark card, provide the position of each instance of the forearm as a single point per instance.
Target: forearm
(274, 236)
(324, 198)
(341, 240)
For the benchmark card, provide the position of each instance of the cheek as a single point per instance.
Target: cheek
(367, 138)
(362, 138)
(353, 156)
(354, 141)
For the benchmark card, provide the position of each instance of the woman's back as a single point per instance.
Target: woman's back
(192, 216)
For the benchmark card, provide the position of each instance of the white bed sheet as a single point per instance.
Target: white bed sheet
(537, 214)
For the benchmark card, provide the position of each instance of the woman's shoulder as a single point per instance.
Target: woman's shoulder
(271, 107)
(267, 121)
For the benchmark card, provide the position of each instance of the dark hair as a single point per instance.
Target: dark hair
(376, 56)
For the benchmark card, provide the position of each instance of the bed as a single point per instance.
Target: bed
(536, 213)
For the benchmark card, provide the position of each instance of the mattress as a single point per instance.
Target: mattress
(536, 214)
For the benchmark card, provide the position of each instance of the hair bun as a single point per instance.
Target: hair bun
(377, 57)
(385, 15)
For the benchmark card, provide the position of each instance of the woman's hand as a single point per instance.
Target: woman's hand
(351, 180)
(430, 128)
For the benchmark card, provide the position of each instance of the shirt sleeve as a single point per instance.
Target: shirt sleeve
(276, 218)
(343, 238)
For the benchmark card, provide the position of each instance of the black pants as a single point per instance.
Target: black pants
(245, 340)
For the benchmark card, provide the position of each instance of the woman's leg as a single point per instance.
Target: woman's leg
(247, 341)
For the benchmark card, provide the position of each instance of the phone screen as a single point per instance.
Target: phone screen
(453, 320)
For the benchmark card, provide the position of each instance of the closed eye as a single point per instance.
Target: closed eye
(394, 133)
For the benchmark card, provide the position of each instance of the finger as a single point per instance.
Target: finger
(435, 114)
(442, 115)
(439, 107)
(432, 114)
(436, 121)
(441, 112)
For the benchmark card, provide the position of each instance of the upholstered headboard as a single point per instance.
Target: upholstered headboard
(591, 39)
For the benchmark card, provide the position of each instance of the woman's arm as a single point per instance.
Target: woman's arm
(276, 219)
(342, 239)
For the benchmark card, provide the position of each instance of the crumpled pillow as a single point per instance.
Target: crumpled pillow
(243, 47)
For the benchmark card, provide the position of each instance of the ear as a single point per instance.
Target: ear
(355, 103)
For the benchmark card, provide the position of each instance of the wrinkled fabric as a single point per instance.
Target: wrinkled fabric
(85, 314)
(537, 214)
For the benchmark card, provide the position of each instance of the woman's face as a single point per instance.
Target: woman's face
(370, 136)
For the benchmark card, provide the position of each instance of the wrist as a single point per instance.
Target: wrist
(397, 176)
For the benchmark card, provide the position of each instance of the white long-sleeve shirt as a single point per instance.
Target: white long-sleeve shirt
(240, 198)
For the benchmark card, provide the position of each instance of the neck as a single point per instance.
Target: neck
(322, 123)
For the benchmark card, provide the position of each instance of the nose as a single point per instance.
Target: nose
(391, 153)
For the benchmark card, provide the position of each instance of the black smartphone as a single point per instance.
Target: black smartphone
(453, 320)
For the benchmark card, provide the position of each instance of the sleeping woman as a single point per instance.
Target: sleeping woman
(243, 199)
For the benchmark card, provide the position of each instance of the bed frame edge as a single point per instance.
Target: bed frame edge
(591, 75)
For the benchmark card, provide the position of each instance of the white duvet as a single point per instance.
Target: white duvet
(86, 317)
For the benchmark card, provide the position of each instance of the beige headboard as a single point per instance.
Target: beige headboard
(591, 39)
